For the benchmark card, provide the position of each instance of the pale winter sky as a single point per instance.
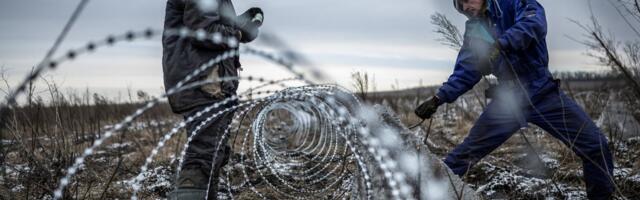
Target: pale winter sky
(391, 40)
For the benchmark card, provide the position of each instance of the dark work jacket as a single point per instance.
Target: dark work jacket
(181, 56)
(520, 28)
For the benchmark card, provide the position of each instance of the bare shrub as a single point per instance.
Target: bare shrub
(361, 84)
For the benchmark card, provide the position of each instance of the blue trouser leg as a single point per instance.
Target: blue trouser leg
(557, 114)
(561, 117)
(496, 124)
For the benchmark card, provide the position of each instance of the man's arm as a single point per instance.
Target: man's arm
(530, 24)
(211, 22)
(465, 76)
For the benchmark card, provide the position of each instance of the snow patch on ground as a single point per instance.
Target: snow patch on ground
(17, 188)
(136, 126)
(158, 180)
(626, 175)
(549, 161)
(505, 180)
(119, 145)
(634, 140)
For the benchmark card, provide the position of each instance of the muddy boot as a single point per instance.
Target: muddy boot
(191, 184)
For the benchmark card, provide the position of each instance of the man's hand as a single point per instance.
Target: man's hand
(249, 22)
(428, 108)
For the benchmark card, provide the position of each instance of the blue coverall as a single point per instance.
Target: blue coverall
(531, 96)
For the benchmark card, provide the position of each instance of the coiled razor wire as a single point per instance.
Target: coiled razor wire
(307, 159)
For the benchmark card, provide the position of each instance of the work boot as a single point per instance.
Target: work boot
(191, 184)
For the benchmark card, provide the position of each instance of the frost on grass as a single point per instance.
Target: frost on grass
(158, 181)
(507, 181)
(514, 184)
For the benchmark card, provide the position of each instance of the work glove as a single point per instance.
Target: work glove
(428, 108)
(249, 22)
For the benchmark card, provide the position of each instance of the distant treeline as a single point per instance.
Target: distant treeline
(587, 76)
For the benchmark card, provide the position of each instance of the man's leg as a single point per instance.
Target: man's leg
(496, 124)
(564, 119)
(202, 154)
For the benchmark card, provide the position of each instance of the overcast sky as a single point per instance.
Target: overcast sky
(391, 40)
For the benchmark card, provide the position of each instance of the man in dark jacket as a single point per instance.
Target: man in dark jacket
(507, 38)
(181, 56)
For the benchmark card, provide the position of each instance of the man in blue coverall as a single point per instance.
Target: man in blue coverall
(507, 38)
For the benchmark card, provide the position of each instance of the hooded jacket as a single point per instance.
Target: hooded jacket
(520, 28)
(181, 56)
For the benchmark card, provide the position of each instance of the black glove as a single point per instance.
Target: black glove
(427, 108)
(249, 22)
